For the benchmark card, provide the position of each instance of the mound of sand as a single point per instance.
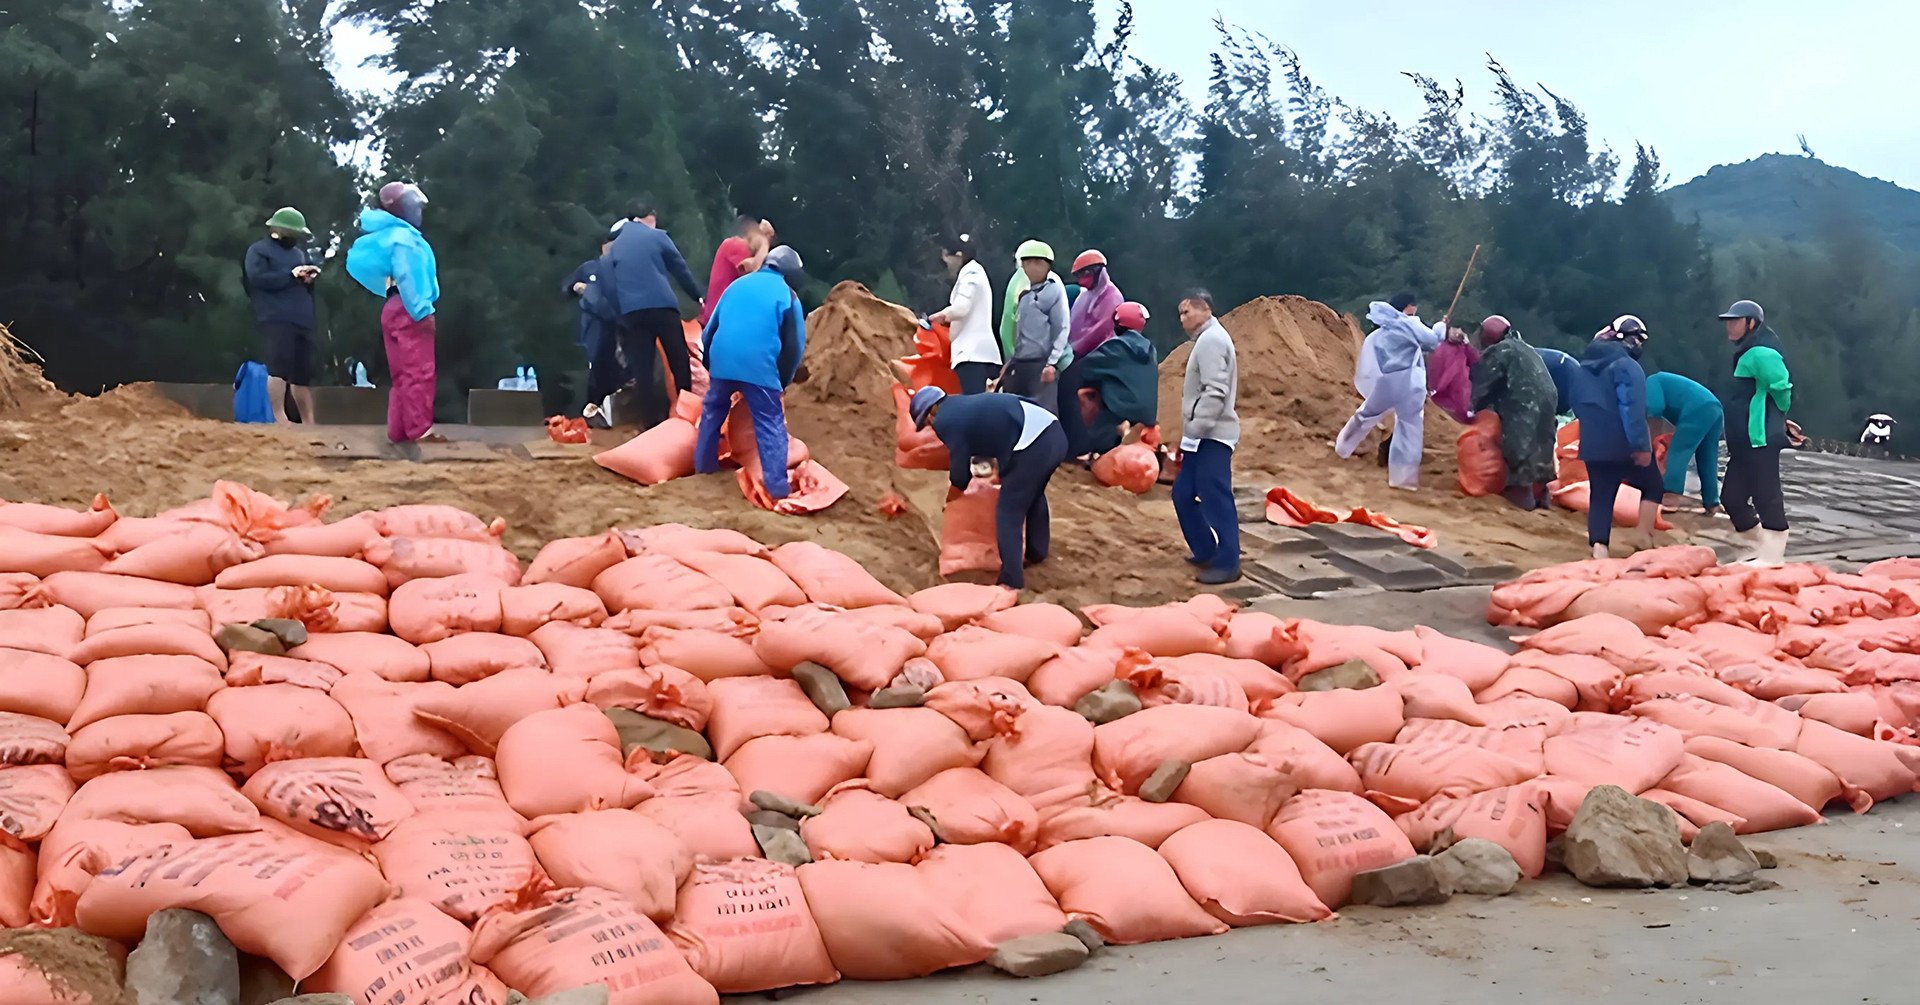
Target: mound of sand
(1296, 370)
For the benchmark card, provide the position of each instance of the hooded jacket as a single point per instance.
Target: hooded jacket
(758, 333)
(1092, 312)
(1677, 399)
(391, 254)
(1761, 394)
(277, 297)
(1609, 391)
(1403, 341)
(638, 266)
(1041, 331)
(1560, 367)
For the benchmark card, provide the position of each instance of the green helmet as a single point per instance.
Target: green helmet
(290, 220)
(1034, 249)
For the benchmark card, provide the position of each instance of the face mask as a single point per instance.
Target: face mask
(287, 240)
(1085, 279)
(1634, 349)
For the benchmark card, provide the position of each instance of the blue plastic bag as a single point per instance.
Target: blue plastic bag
(250, 400)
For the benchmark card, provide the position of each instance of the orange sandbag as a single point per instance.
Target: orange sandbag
(129, 742)
(1872, 769)
(957, 604)
(382, 655)
(1515, 818)
(1344, 719)
(1634, 754)
(746, 708)
(464, 864)
(245, 669)
(524, 609)
(1240, 876)
(32, 798)
(77, 848)
(710, 827)
(341, 575)
(915, 449)
(384, 720)
(969, 541)
(1761, 806)
(202, 800)
(971, 808)
(1483, 467)
(983, 708)
(675, 539)
(347, 538)
(563, 939)
(1247, 787)
(278, 897)
(1131, 466)
(1303, 759)
(860, 651)
(575, 561)
(405, 951)
(992, 888)
(28, 739)
(707, 655)
(744, 926)
(1159, 631)
(1045, 622)
(755, 582)
(1759, 724)
(910, 745)
(88, 593)
(193, 557)
(1798, 776)
(659, 692)
(14, 587)
(128, 617)
(405, 558)
(472, 656)
(36, 684)
(660, 583)
(1047, 758)
(345, 801)
(1127, 892)
(149, 640)
(883, 922)
(1651, 604)
(617, 850)
(580, 737)
(1626, 505)
(55, 631)
(278, 722)
(582, 653)
(479, 713)
(1075, 673)
(464, 786)
(729, 620)
(972, 652)
(1399, 777)
(802, 768)
(829, 577)
(1165, 682)
(1475, 663)
(435, 520)
(859, 825)
(59, 521)
(1334, 836)
(1098, 811)
(319, 609)
(657, 455)
(428, 610)
(45, 554)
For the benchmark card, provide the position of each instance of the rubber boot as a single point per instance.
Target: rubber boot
(1749, 544)
(1771, 552)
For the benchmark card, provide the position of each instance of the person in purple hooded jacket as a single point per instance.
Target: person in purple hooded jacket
(1450, 375)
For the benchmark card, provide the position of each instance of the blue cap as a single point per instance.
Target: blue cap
(922, 403)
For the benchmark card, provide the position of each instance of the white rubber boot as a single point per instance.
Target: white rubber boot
(1772, 552)
(1749, 543)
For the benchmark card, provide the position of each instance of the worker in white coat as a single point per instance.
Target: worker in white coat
(969, 315)
(1391, 376)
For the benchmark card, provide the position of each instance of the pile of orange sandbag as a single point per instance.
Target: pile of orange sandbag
(427, 767)
(666, 452)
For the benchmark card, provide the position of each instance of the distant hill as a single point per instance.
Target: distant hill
(1795, 198)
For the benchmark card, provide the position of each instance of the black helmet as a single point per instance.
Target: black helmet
(1745, 309)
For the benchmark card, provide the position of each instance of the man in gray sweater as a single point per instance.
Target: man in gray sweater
(1203, 492)
(1040, 332)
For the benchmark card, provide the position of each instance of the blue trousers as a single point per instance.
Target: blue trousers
(769, 430)
(1604, 479)
(1696, 438)
(1021, 522)
(1203, 500)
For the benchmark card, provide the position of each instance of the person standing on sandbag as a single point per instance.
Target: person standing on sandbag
(392, 259)
(1758, 429)
(1027, 444)
(1512, 381)
(597, 320)
(1041, 331)
(753, 345)
(1392, 376)
(278, 274)
(1609, 394)
(1203, 491)
(641, 268)
(1697, 420)
(974, 351)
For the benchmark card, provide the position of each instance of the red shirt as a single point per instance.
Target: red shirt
(734, 252)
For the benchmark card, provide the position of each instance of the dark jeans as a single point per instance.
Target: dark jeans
(1203, 500)
(1021, 520)
(639, 332)
(605, 375)
(1752, 491)
(769, 431)
(974, 376)
(1604, 479)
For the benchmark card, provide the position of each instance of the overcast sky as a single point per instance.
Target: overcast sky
(1704, 81)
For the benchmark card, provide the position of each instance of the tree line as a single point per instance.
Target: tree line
(144, 141)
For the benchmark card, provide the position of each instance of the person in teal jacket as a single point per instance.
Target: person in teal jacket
(393, 260)
(1757, 431)
(1697, 420)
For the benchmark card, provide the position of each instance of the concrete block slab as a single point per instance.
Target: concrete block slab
(1303, 576)
(1390, 570)
(1353, 537)
(1275, 541)
(1466, 568)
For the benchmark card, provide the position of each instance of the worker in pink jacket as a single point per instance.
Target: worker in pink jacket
(1450, 375)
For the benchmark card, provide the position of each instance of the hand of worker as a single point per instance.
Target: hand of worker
(937, 319)
(1048, 375)
(579, 288)
(1642, 458)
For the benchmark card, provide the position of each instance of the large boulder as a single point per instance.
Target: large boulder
(183, 960)
(1413, 882)
(1619, 839)
(1717, 856)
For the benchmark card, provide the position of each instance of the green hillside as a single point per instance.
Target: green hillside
(1796, 198)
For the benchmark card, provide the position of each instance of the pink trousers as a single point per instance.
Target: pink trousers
(410, 360)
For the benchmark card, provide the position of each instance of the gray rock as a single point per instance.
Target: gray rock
(1353, 675)
(898, 696)
(248, 639)
(1741, 889)
(1110, 703)
(1159, 786)
(781, 845)
(1404, 884)
(822, 688)
(1767, 859)
(1478, 867)
(781, 804)
(768, 818)
(1080, 929)
(1039, 955)
(329, 998)
(290, 632)
(262, 981)
(643, 731)
(925, 816)
(1717, 856)
(1619, 839)
(183, 960)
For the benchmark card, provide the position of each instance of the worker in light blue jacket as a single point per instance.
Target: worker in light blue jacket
(1697, 420)
(393, 260)
(752, 345)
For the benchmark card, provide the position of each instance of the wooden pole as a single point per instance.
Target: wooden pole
(1462, 288)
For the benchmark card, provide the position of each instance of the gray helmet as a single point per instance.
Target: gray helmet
(1742, 309)
(786, 261)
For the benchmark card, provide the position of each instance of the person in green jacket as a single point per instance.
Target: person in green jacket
(1512, 381)
(1697, 420)
(1758, 430)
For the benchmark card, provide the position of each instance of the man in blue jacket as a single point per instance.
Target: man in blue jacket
(1027, 444)
(639, 267)
(279, 274)
(753, 344)
(1609, 395)
(597, 321)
